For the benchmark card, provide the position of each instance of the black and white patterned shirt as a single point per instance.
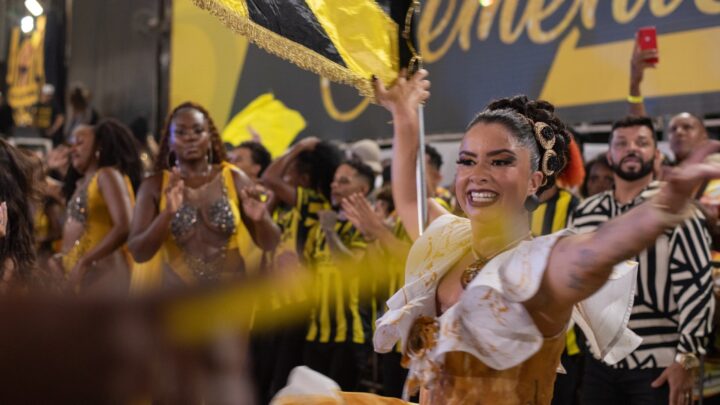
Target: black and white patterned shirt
(673, 307)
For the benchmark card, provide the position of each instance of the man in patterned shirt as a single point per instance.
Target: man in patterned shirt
(673, 305)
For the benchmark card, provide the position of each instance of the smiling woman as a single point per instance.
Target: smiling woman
(484, 308)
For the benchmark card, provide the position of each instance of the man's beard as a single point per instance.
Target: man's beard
(645, 169)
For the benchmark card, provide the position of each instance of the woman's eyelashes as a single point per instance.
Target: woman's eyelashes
(503, 162)
(494, 162)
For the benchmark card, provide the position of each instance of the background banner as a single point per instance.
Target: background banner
(575, 53)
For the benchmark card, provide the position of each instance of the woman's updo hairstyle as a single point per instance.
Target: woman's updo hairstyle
(537, 128)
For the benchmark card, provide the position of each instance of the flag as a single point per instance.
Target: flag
(266, 117)
(346, 41)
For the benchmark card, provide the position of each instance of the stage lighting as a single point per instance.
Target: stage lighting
(34, 7)
(486, 3)
(27, 24)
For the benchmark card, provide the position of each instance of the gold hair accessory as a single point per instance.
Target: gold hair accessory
(541, 133)
(549, 154)
(546, 138)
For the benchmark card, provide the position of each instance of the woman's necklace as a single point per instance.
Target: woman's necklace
(474, 269)
(204, 174)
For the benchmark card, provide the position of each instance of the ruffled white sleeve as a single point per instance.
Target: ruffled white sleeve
(490, 321)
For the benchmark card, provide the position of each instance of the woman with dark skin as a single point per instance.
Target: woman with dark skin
(201, 214)
(99, 187)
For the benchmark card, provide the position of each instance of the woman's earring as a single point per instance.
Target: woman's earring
(210, 155)
(97, 154)
(532, 202)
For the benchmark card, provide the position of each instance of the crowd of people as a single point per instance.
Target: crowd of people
(476, 309)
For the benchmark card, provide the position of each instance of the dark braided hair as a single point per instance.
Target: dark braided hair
(17, 191)
(166, 158)
(118, 148)
(320, 165)
(519, 115)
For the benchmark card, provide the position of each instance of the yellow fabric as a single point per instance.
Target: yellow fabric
(146, 276)
(242, 239)
(295, 223)
(348, 398)
(338, 295)
(276, 124)
(538, 217)
(98, 224)
(711, 195)
(561, 211)
(207, 60)
(41, 224)
(365, 37)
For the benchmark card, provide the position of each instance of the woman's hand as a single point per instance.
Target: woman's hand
(254, 202)
(405, 94)
(174, 192)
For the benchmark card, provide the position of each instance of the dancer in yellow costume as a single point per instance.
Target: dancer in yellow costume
(203, 216)
(99, 187)
(485, 307)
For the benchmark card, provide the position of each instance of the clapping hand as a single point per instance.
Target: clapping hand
(254, 202)
(359, 211)
(174, 192)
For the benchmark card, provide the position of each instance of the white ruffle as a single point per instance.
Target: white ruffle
(490, 321)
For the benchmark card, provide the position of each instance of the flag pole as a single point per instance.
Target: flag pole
(422, 192)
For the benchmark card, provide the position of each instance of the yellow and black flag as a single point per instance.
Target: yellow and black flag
(346, 41)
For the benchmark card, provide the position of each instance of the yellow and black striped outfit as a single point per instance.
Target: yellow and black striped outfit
(336, 317)
(338, 335)
(554, 214)
(295, 222)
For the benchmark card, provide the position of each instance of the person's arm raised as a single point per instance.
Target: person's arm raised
(579, 265)
(638, 65)
(272, 178)
(402, 100)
